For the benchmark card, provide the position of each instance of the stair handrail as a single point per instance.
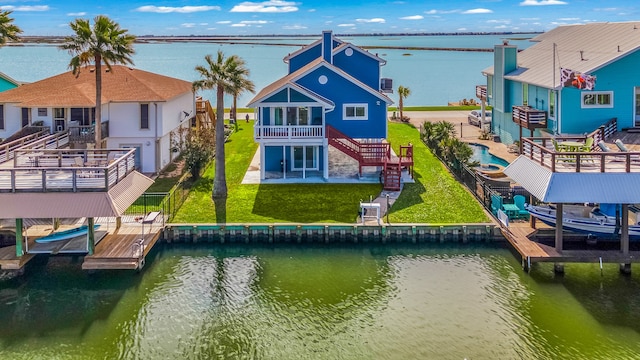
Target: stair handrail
(364, 150)
(333, 133)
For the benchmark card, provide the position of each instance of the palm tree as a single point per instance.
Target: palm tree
(238, 86)
(8, 30)
(225, 75)
(106, 43)
(403, 93)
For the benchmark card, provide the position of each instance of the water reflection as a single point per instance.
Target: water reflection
(293, 302)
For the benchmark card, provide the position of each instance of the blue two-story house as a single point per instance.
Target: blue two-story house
(331, 95)
(531, 92)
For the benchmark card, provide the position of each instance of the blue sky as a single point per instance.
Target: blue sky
(186, 17)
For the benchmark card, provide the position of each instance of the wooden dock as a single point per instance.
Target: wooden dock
(9, 260)
(521, 237)
(123, 250)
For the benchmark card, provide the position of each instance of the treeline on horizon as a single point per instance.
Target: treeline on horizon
(53, 38)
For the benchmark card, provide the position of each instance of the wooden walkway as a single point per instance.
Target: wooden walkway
(121, 250)
(520, 237)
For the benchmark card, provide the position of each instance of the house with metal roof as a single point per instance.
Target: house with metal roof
(577, 84)
(7, 83)
(332, 95)
(542, 89)
(140, 110)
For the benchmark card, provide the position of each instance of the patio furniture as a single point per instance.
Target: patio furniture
(511, 210)
(603, 146)
(520, 200)
(621, 146)
(496, 203)
(588, 144)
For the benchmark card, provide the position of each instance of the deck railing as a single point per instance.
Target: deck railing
(43, 170)
(542, 151)
(262, 132)
(86, 133)
(481, 92)
(6, 150)
(528, 117)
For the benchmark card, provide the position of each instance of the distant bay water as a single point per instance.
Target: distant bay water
(435, 77)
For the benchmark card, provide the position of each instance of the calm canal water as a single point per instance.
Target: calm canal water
(351, 302)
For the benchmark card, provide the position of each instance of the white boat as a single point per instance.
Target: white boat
(596, 221)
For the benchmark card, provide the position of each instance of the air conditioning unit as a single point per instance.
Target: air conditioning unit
(386, 85)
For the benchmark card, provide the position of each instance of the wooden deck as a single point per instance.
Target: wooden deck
(114, 250)
(520, 236)
(9, 260)
(120, 250)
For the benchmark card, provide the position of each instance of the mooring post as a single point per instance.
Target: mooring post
(19, 239)
(91, 244)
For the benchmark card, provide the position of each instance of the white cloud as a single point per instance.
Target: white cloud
(187, 25)
(412, 17)
(203, 24)
(224, 22)
(434, 12)
(254, 22)
(294, 27)
(374, 20)
(312, 10)
(542, 2)
(529, 19)
(238, 25)
(478, 11)
(500, 27)
(25, 8)
(569, 19)
(494, 21)
(273, 6)
(173, 9)
(82, 13)
(606, 9)
(340, 25)
(462, 29)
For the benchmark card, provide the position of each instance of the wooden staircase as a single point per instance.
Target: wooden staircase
(374, 154)
(392, 176)
(205, 116)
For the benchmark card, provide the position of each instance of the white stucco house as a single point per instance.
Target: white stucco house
(140, 110)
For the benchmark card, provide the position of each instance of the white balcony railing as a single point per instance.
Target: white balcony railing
(288, 132)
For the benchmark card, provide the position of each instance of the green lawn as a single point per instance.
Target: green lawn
(305, 203)
(435, 198)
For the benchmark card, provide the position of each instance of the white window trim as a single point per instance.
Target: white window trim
(272, 115)
(363, 105)
(596, 93)
(148, 116)
(552, 115)
(316, 159)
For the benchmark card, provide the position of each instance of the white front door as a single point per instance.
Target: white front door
(636, 104)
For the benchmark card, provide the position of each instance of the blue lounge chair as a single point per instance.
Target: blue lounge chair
(519, 200)
(496, 203)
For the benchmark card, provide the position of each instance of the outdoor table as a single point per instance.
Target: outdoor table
(512, 210)
(571, 146)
